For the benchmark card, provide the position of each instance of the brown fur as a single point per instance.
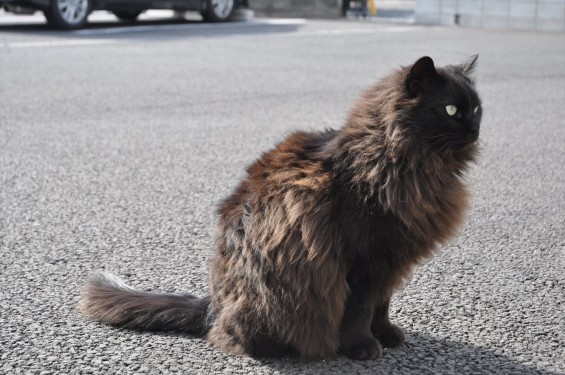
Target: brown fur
(326, 226)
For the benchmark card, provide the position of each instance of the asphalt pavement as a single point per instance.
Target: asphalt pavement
(117, 142)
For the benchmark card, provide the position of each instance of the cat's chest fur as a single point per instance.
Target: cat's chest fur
(405, 217)
(387, 238)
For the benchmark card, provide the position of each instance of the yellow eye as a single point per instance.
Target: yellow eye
(476, 109)
(451, 110)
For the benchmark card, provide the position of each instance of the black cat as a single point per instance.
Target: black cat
(314, 241)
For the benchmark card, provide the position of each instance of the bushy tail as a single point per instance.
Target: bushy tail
(107, 299)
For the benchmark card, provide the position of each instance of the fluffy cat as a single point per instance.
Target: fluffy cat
(314, 241)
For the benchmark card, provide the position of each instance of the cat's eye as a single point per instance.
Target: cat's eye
(451, 109)
(476, 109)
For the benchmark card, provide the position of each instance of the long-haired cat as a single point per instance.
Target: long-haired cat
(323, 229)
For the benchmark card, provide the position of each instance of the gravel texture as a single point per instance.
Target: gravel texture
(114, 154)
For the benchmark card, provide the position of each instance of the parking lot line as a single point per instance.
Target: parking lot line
(56, 43)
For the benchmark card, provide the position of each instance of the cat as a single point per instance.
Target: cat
(326, 226)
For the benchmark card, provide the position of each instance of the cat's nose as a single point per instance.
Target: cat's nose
(472, 132)
(473, 126)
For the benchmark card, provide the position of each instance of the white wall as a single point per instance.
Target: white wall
(546, 15)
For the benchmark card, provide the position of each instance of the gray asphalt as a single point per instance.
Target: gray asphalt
(115, 147)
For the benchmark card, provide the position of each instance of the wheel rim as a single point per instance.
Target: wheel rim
(222, 8)
(72, 11)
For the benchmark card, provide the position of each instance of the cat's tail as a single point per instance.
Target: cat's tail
(107, 299)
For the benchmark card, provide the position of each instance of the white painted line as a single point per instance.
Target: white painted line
(333, 32)
(194, 26)
(57, 43)
(281, 21)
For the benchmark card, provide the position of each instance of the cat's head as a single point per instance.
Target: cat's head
(445, 111)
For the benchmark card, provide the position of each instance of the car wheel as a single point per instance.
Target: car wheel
(218, 10)
(68, 14)
(125, 15)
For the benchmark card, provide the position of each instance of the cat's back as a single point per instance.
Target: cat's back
(294, 169)
(295, 162)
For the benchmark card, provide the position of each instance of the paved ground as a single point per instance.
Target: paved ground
(116, 143)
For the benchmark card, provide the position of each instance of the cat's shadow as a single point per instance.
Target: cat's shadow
(423, 354)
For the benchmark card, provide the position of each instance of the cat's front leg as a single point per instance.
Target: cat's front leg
(356, 338)
(390, 335)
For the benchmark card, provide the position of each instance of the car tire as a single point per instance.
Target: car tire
(127, 15)
(218, 10)
(68, 14)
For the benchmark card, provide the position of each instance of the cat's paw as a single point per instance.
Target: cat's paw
(391, 337)
(365, 348)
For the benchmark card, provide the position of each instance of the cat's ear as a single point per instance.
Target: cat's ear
(468, 67)
(423, 71)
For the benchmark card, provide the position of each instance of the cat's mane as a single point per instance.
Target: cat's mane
(385, 163)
